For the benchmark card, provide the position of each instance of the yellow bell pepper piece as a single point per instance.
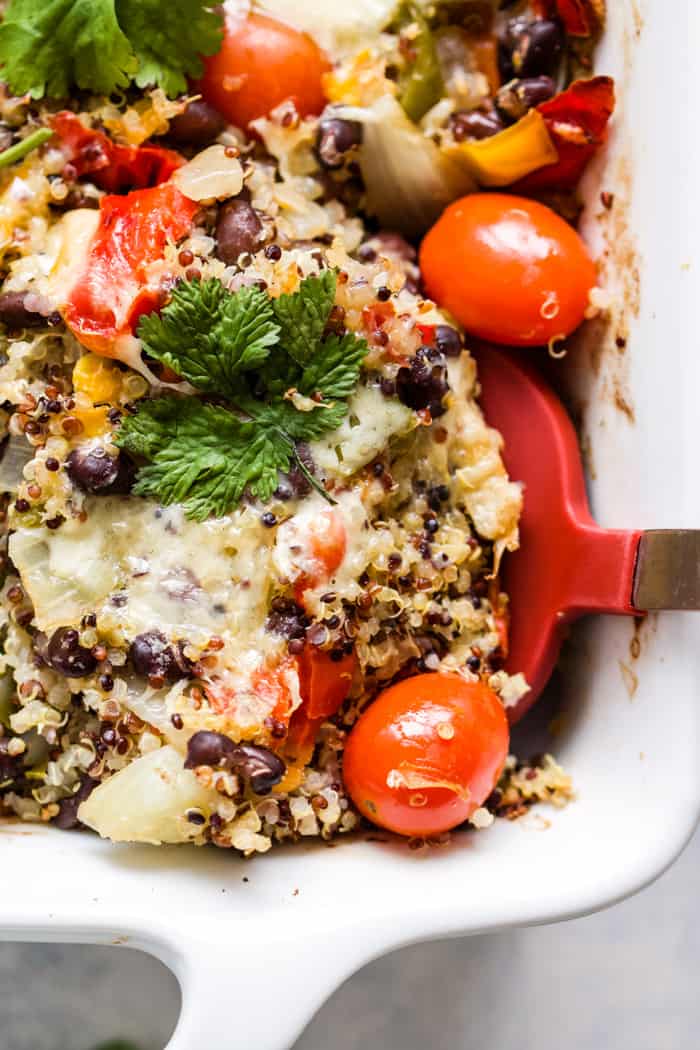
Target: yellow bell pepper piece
(511, 154)
(94, 420)
(100, 379)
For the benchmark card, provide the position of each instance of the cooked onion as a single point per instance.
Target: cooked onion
(211, 175)
(408, 179)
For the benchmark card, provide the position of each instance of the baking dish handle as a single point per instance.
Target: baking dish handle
(240, 990)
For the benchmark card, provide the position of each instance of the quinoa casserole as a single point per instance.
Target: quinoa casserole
(246, 482)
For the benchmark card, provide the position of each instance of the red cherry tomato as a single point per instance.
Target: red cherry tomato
(508, 268)
(263, 62)
(426, 754)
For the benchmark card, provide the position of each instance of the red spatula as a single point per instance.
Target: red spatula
(567, 565)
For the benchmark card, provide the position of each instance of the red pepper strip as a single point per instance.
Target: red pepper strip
(113, 292)
(112, 167)
(577, 121)
(324, 683)
(427, 333)
(579, 16)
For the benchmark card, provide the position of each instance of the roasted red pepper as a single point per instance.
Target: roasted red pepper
(580, 17)
(577, 121)
(112, 167)
(114, 289)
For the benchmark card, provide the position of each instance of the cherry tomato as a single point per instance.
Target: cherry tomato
(263, 62)
(426, 754)
(508, 268)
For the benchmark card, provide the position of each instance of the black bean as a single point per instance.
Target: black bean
(207, 749)
(67, 816)
(537, 49)
(261, 767)
(238, 230)
(448, 340)
(152, 655)
(198, 126)
(15, 313)
(424, 384)
(517, 97)
(287, 619)
(394, 244)
(336, 138)
(294, 484)
(65, 654)
(258, 765)
(94, 470)
(475, 124)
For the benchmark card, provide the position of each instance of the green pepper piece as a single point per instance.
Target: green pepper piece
(421, 84)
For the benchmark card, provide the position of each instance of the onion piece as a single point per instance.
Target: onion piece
(17, 453)
(408, 179)
(148, 801)
(211, 175)
(338, 27)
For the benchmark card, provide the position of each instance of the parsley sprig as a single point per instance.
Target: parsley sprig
(283, 378)
(49, 46)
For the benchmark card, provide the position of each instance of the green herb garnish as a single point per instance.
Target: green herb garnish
(270, 359)
(47, 47)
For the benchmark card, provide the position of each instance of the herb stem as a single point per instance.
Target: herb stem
(305, 470)
(20, 149)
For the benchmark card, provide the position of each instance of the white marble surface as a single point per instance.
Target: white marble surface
(626, 979)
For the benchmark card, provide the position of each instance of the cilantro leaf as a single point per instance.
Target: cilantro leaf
(303, 315)
(169, 42)
(209, 336)
(301, 426)
(46, 46)
(49, 46)
(335, 367)
(202, 456)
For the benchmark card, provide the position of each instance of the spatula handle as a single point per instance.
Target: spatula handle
(600, 571)
(632, 572)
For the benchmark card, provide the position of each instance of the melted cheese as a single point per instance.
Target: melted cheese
(189, 580)
(372, 421)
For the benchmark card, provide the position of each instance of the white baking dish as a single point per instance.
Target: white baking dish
(259, 945)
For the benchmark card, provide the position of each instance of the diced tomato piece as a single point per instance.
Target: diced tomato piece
(324, 682)
(427, 332)
(111, 166)
(577, 120)
(327, 544)
(113, 291)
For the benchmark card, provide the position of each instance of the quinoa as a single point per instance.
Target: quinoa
(152, 664)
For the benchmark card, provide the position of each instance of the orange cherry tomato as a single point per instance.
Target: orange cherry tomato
(263, 62)
(426, 754)
(508, 268)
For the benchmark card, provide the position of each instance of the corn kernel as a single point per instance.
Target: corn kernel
(94, 420)
(99, 379)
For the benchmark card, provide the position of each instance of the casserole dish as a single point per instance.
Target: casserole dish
(258, 946)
